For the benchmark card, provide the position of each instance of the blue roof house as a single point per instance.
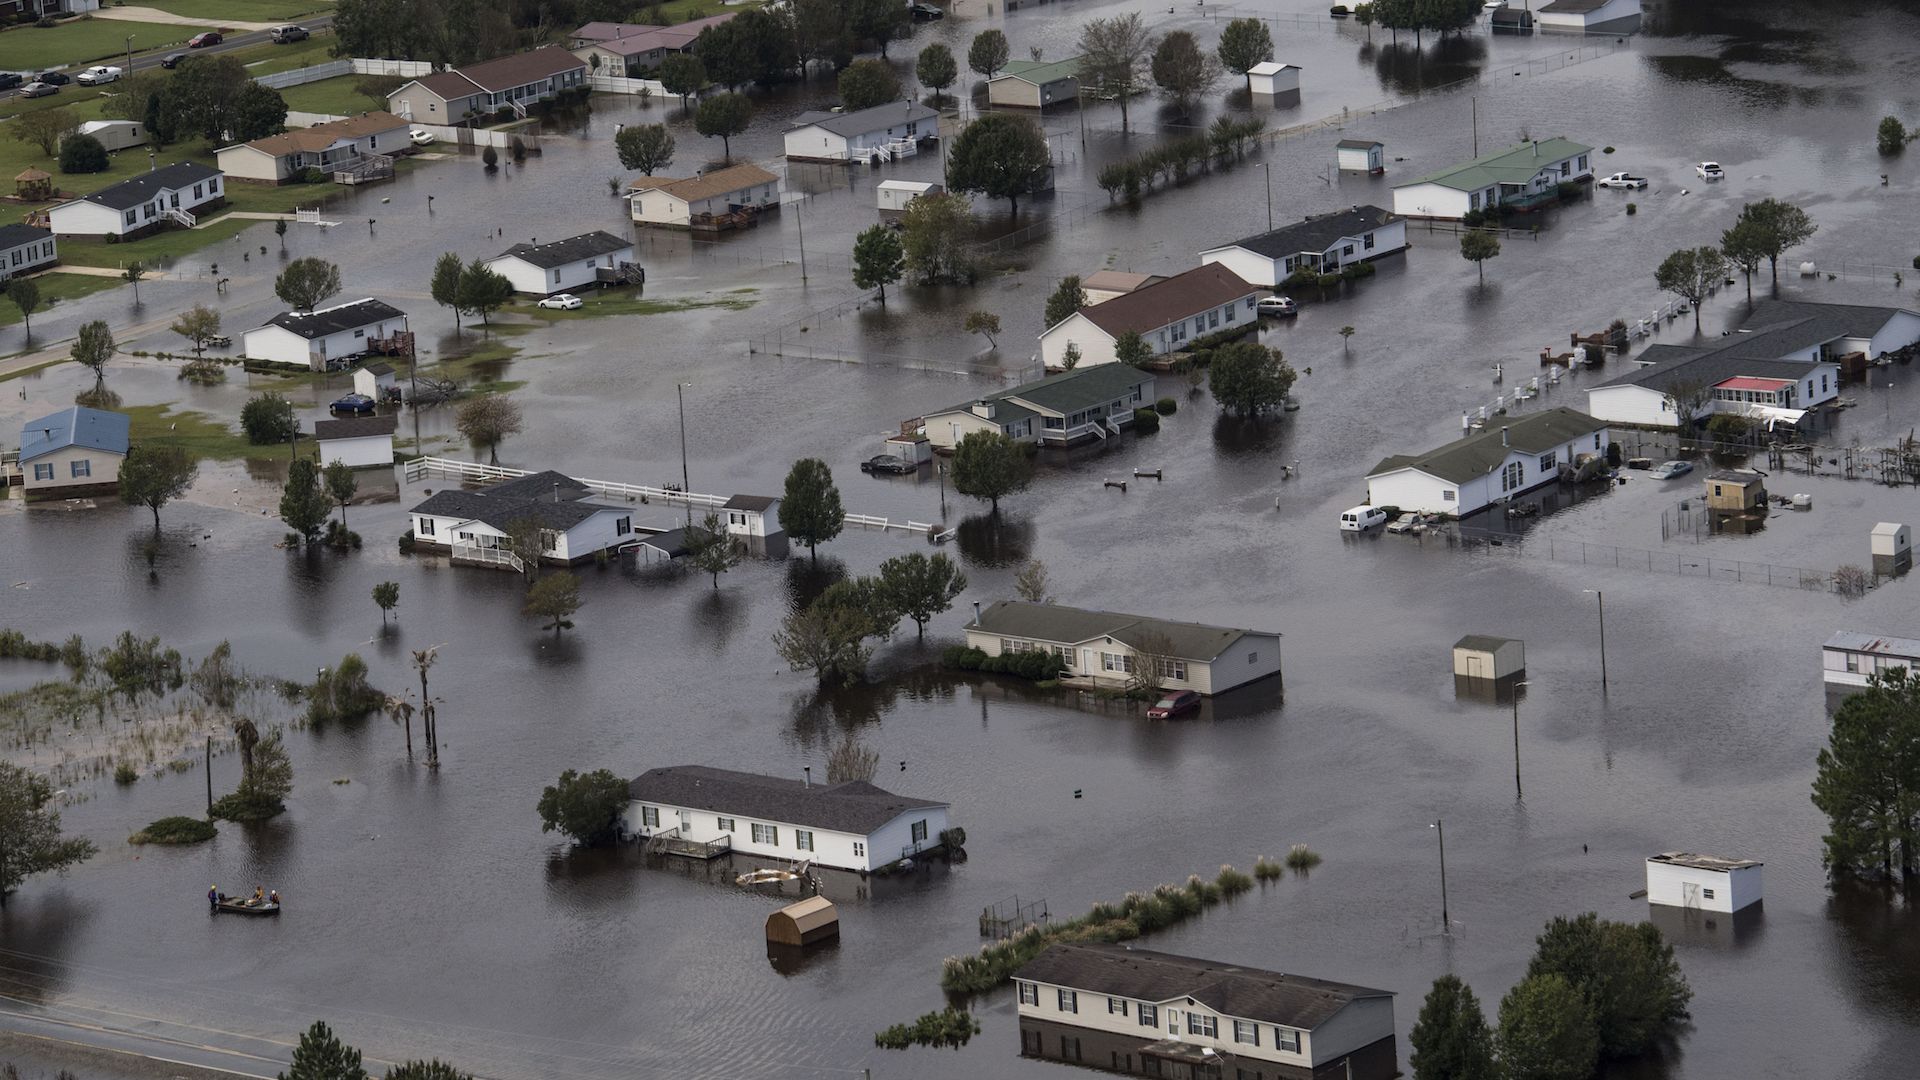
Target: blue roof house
(73, 452)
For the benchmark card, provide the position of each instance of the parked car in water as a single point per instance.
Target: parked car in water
(39, 89)
(53, 78)
(928, 12)
(888, 463)
(1622, 180)
(1277, 306)
(1710, 170)
(1407, 523)
(353, 404)
(565, 301)
(1667, 470)
(172, 59)
(1175, 704)
(420, 137)
(101, 73)
(1362, 518)
(205, 39)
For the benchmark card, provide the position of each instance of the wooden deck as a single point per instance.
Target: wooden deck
(671, 843)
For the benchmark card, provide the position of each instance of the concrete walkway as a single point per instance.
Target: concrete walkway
(155, 15)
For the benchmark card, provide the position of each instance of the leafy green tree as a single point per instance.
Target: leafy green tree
(426, 1070)
(280, 230)
(822, 32)
(1132, 349)
(555, 598)
(984, 323)
(153, 476)
(921, 587)
(585, 806)
(810, 510)
(989, 465)
(1451, 1040)
(386, 595)
(1691, 274)
(1066, 299)
(1868, 780)
(199, 324)
(711, 550)
(1113, 57)
(879, 259)
(1891, 136)
(92, 348)
(988, 53)
(303, 506)
(935, 68)
(306, 282)
(268, 418)
(936, 231)
(483, 291)
(83, 154)
(321, 1055)
(868, 596)
(341, 486)
(133, 274)
(214, 96)
(488, 421)
(1001, 156)
(1477, 246)
(1744, 246)
(683, 74)
(25, 295)
(646, 147)
(1182, 70)
(30, 840)
(45, 128)
(1781, 226)
(724, 116)
(258, 111)
(878, 21)
(1243, 44)
(266, 777)
(866, 83)
(1626, 974)
(445, 287)
(828, 636)
(1248, 378)
(1546, 1032)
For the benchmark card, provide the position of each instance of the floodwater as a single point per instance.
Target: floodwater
(428, 915)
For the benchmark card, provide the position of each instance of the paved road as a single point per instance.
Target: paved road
(151, 58)
(133, 1054)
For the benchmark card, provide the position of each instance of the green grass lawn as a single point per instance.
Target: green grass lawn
(82, 41)
(271, 59)
(197, 433)
(239, 10)
(153, 249)
(57, 287)
(335, 96)
(678, 11)
(600, 303)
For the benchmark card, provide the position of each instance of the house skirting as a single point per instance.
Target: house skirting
(73, 491)
(1127, 1055)
(429, 547)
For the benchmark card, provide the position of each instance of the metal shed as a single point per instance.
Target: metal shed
(896, 194)
(804, 923)
(1478, 656)
(1892, 548)
(1270, 77)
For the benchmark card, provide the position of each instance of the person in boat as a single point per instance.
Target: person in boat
(213, 896)
(259, 895)
(273, 897)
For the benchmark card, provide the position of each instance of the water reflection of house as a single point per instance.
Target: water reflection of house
(1104, 648)
(1519, 176)
(1489, 466)
(1147, 1013)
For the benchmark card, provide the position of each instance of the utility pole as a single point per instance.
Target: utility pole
(1601, 598)
(686, 486)
(1476, 126)
(1516, 738)
(129, 56)
(209, 771)
(800, 219)
(1268, 173)
(1446, 923)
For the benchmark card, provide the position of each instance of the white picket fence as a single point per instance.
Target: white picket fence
(614, 84)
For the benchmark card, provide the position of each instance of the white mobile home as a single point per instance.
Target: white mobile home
(25, 249)
(359, 442)
(848, 826)
(561, 265)
(313, 338)
(1103, 647)
(693, 200)
(1183, 1015)
(1485, 467)
(1705, 882)
(115, 134)
(1321, 244)
(473, 525)
(1520, 176)
(142, 204)
(1848, 658)
(1059, 410)
(860, 136)
(1206, 300)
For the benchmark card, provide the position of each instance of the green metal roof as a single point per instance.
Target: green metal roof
(1041, 72)
(1514, 165)
(1484, 451)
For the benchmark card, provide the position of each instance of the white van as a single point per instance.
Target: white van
(1361, 518)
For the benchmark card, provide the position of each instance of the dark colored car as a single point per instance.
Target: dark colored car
(172, 59)
(354, 404)
(39, 89)
(53, 78)
(1178, 703)
(888, 463)
(201, 41)
(10, 80)
(927, 12)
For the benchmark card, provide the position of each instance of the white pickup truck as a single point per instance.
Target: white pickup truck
(94, 76)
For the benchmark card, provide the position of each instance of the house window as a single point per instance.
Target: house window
(724, 824)
(549, 541)
(1065, 653)
(360, 333)
(1365, 242)
(1348, 250)
(1510, 477)
(1853, 659)
(81, 468)
(1202, 1025)
(1069, 1048)
(1250, 303)
(1029, 994)
(1069, 1001)
(1253, 658)
(1149, 1015)
(1823, 384)
(1707, 893)
(1121, 663)
(1116, 1006)
(919, 830)
(766, 834)
(43, 471)
(1229, 311)
(803, 839)
(1286, 1039)
(1171, 669)
(196, 190)
(860, 849)
(1448, 495)
(556, 277)
(1213, 319)
(1473, 201)
(1583, 163)
(1246, 1032)
(650, 816)
(622, 526)
(1199, 324)
(213, 186)
(426, 526)
(1547, 460)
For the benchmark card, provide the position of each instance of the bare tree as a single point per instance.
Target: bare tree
(1152, 662)
(1113, 60)
(1031, 583)
(850, 760)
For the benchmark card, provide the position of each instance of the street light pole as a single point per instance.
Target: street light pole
(1516, 739)
(1268, 173)
(686, 486)
(1601, 598)
(1446, 923)
(129, 55)
(800, 220)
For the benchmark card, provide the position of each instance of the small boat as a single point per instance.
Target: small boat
(238, 905)
(764, 877)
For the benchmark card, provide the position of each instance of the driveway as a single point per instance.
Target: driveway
(155, 15)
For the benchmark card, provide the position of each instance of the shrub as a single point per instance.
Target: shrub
(1146, 421)
(963, 657)
(1569, 191)
(406, 542)
(954, 839)
(1632, 209)
(1302, 859)
(204, 372)
(1233, 882)
(82, 154)
(1356, 271)
(268, 418)
(175, 830)
(1267, 870)
(1166, 406)
(312, 175)
(948, 1027)
(124, 773)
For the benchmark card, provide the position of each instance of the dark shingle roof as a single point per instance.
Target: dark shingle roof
(750, 502)
(1271, 997)
(354, 427)
(1067, 392)
(524, 497)
(1830, 320)
(1359, 144)
(1484, 451)
(1757, 353)
(1169, 301)
(13, 236)
(866, 121)
(518, 69)
(1316, 234)
(128, 194)
(852, 807)
(1066, 625)
(571, 250)
(540, 485)
(333, 320)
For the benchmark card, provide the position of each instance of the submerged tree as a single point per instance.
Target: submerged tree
(555, 598)
(810, 510)
(304, 507)
(1691, 274)
(711, 550)
(989, 465)
(921, 587)
(30, 840)
(1868, 783)
(153, 476)
(851, 760)
(585, 806)
(1626, 974)
(1451, 1040)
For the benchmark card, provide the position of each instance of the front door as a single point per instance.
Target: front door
(1475, 668)
(1689, 894)
(686, 822)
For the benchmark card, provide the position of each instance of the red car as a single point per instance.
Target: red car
(1175, 704)
(201, 41)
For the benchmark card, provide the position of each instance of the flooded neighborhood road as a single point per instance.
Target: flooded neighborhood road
(428, 915)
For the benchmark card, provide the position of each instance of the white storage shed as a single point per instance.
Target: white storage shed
(1704, 882)
(361, 442)
(1270, 77)
(1892, 548)
(1479, 656)
(896, 194)
(752, 515)
(374, 380)
(1361, 155)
